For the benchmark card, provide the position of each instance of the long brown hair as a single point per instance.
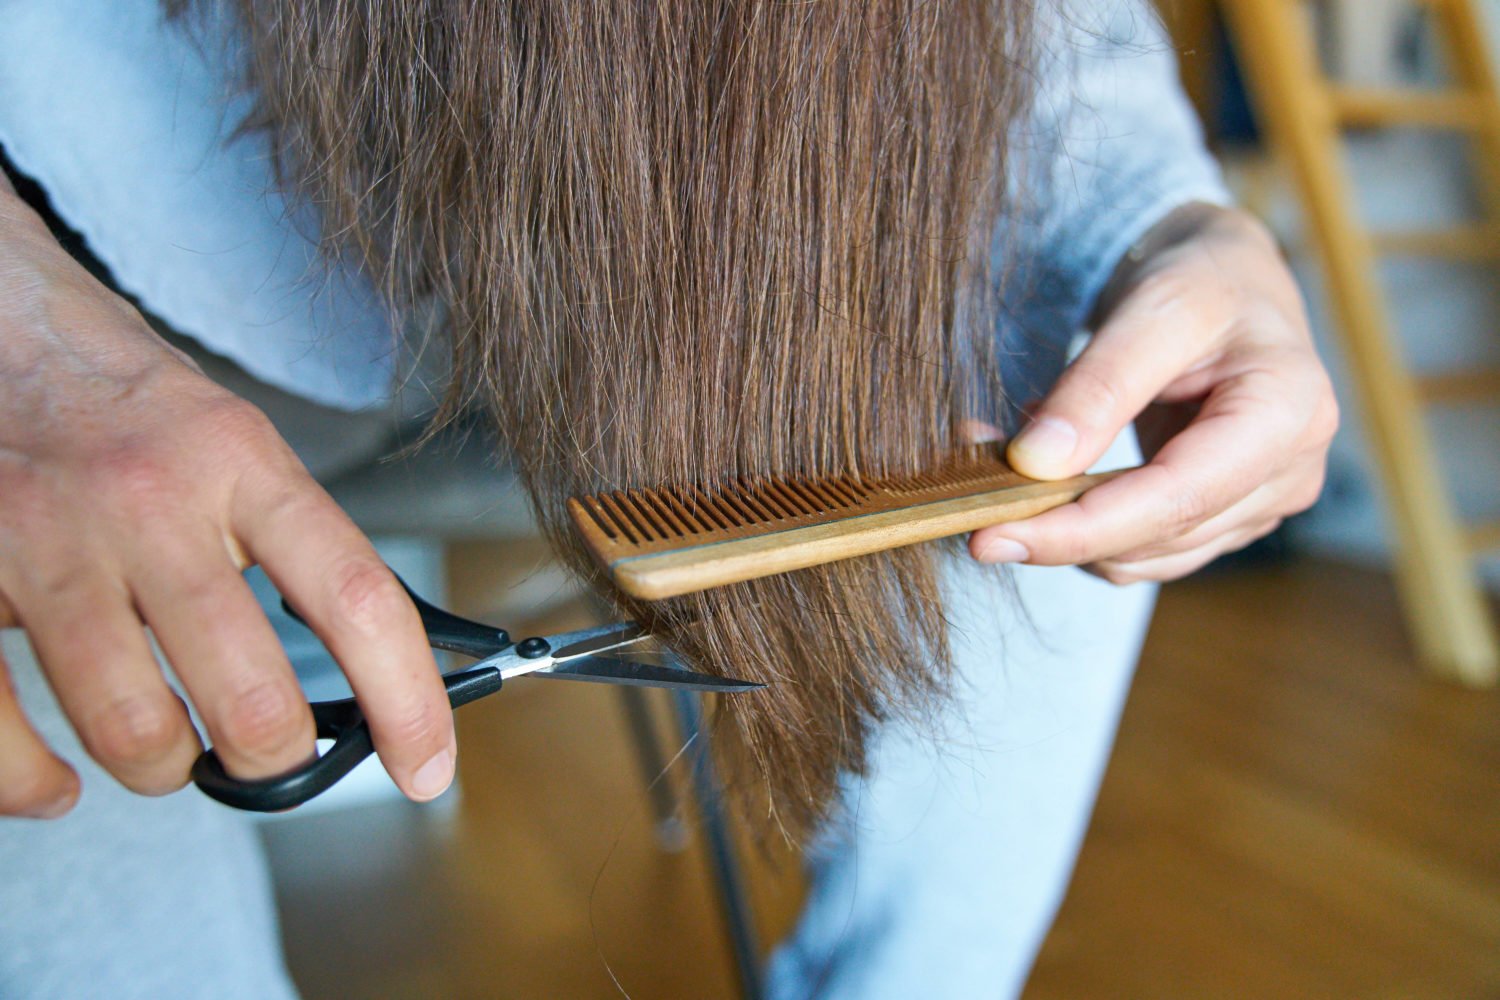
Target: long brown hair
(679, 243)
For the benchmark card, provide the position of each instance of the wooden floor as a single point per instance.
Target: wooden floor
(1292, 812)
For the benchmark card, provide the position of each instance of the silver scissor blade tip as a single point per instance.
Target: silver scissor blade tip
(609, 670)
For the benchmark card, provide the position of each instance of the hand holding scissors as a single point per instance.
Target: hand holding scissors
(585, 655)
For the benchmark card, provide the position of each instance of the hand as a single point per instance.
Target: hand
(135, 491)
(1207, 348)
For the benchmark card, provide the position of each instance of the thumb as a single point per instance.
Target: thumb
(1141, 350)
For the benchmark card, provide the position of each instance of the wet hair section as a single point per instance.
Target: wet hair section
(687, 243)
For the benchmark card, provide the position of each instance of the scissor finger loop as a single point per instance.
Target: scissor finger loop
(597, 655)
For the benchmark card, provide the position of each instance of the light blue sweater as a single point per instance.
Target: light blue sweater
(134, 145)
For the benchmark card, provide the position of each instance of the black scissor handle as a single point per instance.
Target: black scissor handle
(340, 721)
(445, 630)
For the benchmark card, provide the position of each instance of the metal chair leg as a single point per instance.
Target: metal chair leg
(723, 860)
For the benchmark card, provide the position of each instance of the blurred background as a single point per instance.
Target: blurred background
(1305, 798)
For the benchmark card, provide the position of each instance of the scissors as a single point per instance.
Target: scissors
(591, 654)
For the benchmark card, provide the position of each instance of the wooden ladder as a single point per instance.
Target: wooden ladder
(1304, 114)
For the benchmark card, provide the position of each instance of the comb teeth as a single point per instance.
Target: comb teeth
(658, 543)
(647, 516)
(640, 517)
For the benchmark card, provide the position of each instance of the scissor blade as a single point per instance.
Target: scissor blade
(600, 641)
(607, 670)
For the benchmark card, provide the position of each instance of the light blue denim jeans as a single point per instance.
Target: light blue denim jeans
(951, 859)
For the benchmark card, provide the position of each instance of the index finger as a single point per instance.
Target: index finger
(326, 568)
(1240, 437)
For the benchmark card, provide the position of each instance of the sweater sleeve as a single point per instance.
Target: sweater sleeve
(1110, 148)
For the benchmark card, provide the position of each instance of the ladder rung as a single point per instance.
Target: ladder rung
(1484, 537)
(1425, 108)
(1460, 386)
(1463, 243)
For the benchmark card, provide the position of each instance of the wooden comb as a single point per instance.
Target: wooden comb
(666, 542)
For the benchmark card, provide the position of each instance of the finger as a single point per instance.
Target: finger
(34, 782)
(332, 575)
(1180, 564)
(93, 648)
(1255, 509)
(1217, 461)
(1293, 491)
(223, 649)
(1149, 342)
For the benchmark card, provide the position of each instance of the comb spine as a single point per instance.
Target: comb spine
(684, 570)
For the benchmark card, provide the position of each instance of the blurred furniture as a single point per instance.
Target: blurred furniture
(1305, 114)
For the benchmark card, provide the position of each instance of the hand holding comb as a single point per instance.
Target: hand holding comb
(660, 543)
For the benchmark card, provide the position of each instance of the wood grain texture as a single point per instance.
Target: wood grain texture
(663, 543)
(1293, 811)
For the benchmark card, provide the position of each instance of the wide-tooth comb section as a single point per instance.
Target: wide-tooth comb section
(790, 502)
(623, 522)
(601, 517)
(810, 502)
(721, 504)
(737, 505)
(705, 513)
(663, 512)
(645, 515)
(753, 499)
(688, 511)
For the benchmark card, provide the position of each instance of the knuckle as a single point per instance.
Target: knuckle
(421, 725)
(263, 718)
(133, 731)
(237, 425)
(288, 499)
(1063, 548)
(1188, 508)
(1071, 552)
(367, 596)
(66, 583)
(244, 441)
(1326, 417)
(1094, 392)
(1307, 495)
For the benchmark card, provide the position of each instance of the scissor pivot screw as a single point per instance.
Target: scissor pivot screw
(534, 647)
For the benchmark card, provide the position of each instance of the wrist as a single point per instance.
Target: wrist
(1181, 225)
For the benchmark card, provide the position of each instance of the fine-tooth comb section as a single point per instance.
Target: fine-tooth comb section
(679, 538)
